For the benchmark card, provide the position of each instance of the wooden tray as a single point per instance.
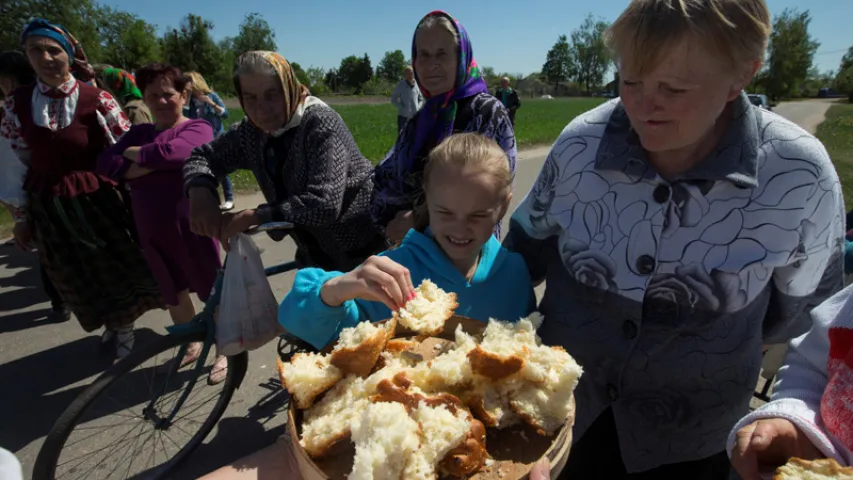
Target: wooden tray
(513, 450)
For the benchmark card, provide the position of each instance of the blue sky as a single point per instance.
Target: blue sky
(510, 36)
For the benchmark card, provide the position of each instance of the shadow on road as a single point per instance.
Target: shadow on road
(34, 401)
(237, 437)
(26, 290)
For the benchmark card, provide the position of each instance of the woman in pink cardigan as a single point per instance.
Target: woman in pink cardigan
(149, 158)
(810, 414)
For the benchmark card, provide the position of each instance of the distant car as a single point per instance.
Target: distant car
(546, 97)
(760, 101)
(605, 94)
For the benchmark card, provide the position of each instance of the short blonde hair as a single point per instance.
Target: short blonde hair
(467, 150)
(199, 85)
(735, 31)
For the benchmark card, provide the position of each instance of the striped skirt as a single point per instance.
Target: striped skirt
(87, 246)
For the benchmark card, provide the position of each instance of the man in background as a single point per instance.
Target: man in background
(509, 98)
(407, 98)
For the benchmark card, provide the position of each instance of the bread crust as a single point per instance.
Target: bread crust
(492, 365)
(360, 360)
(825, 466)
(303, 400)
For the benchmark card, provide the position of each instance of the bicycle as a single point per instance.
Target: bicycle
(201, 329)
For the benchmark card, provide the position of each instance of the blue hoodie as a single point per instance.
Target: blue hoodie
(500, 288)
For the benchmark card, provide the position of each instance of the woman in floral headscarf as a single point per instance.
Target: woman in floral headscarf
(58, 126)
(305, 160)
(122, 86)
(458, 100)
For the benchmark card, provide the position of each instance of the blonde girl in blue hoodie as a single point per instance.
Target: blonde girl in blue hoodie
(468, 188)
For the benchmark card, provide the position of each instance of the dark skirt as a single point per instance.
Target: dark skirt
(87, 248)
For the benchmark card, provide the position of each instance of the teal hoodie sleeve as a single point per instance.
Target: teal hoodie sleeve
(304, 314)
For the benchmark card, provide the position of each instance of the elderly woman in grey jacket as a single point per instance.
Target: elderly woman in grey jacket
(304, 158)
(678, 228)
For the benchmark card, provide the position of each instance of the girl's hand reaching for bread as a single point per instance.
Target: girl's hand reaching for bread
(767, 444)
(378, 279)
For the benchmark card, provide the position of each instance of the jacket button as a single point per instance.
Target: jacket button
(629, 329)
(661, 193)
(612, 392)
(645, 264)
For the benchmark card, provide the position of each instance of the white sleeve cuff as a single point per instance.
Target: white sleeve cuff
(798, 412)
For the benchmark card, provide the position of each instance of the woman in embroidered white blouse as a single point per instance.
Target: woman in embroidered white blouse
(678, 228)
(77, 219)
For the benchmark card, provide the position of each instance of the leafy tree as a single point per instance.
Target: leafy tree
(300, 74)
(392, 65)
(191, 47)
(844, 78)
(558, 65)
(354, 71)
(129, 41)
(844, 83)
(589, 54)
(255, 34)
(80, 17)
(488, 73)
(791, 52)
(332, 80)
(315, 75)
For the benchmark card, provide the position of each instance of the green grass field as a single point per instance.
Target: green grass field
(538, 122)
(836, 133)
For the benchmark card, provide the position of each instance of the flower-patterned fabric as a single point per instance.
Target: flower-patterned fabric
(665, 291)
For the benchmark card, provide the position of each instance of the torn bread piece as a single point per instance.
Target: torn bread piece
(427, 313)
(399, 349)
(450, 436)
(307, 376)
(450, 370)
(443, 430)
(546, 404)
(489, 403)
(328, 423)
(358, 348)
(824, 469)
(385, 438)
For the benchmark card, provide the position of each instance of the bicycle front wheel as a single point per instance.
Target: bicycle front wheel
(125, 424)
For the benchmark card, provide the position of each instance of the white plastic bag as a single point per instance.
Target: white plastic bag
(248, 310)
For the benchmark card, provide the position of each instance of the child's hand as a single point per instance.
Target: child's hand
(378, 279)
(767, 444)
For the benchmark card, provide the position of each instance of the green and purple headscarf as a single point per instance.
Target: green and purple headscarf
(435, 120)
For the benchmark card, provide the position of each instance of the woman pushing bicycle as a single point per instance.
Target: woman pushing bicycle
(305, 161)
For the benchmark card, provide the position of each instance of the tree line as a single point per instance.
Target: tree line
(577, 64)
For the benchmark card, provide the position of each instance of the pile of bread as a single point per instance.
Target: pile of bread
(823, 469)
(416, 419)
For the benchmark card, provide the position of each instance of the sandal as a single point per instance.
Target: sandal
(190, 356)
(219, 372)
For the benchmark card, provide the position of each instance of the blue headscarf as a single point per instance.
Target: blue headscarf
(76, 56)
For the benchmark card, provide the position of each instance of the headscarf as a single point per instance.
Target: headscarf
(294, 92)
(122, 84)
(435, 120)
(80, 67)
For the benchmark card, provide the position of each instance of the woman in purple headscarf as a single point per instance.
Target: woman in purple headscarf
(457, 101)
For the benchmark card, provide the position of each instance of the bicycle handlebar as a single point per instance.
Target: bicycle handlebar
(269, 227)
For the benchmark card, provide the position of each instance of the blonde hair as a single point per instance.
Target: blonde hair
(199, 85)
(439, 20)
(466, 150)
(735, 31)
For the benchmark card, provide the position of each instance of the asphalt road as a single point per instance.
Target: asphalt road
(43, 366)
